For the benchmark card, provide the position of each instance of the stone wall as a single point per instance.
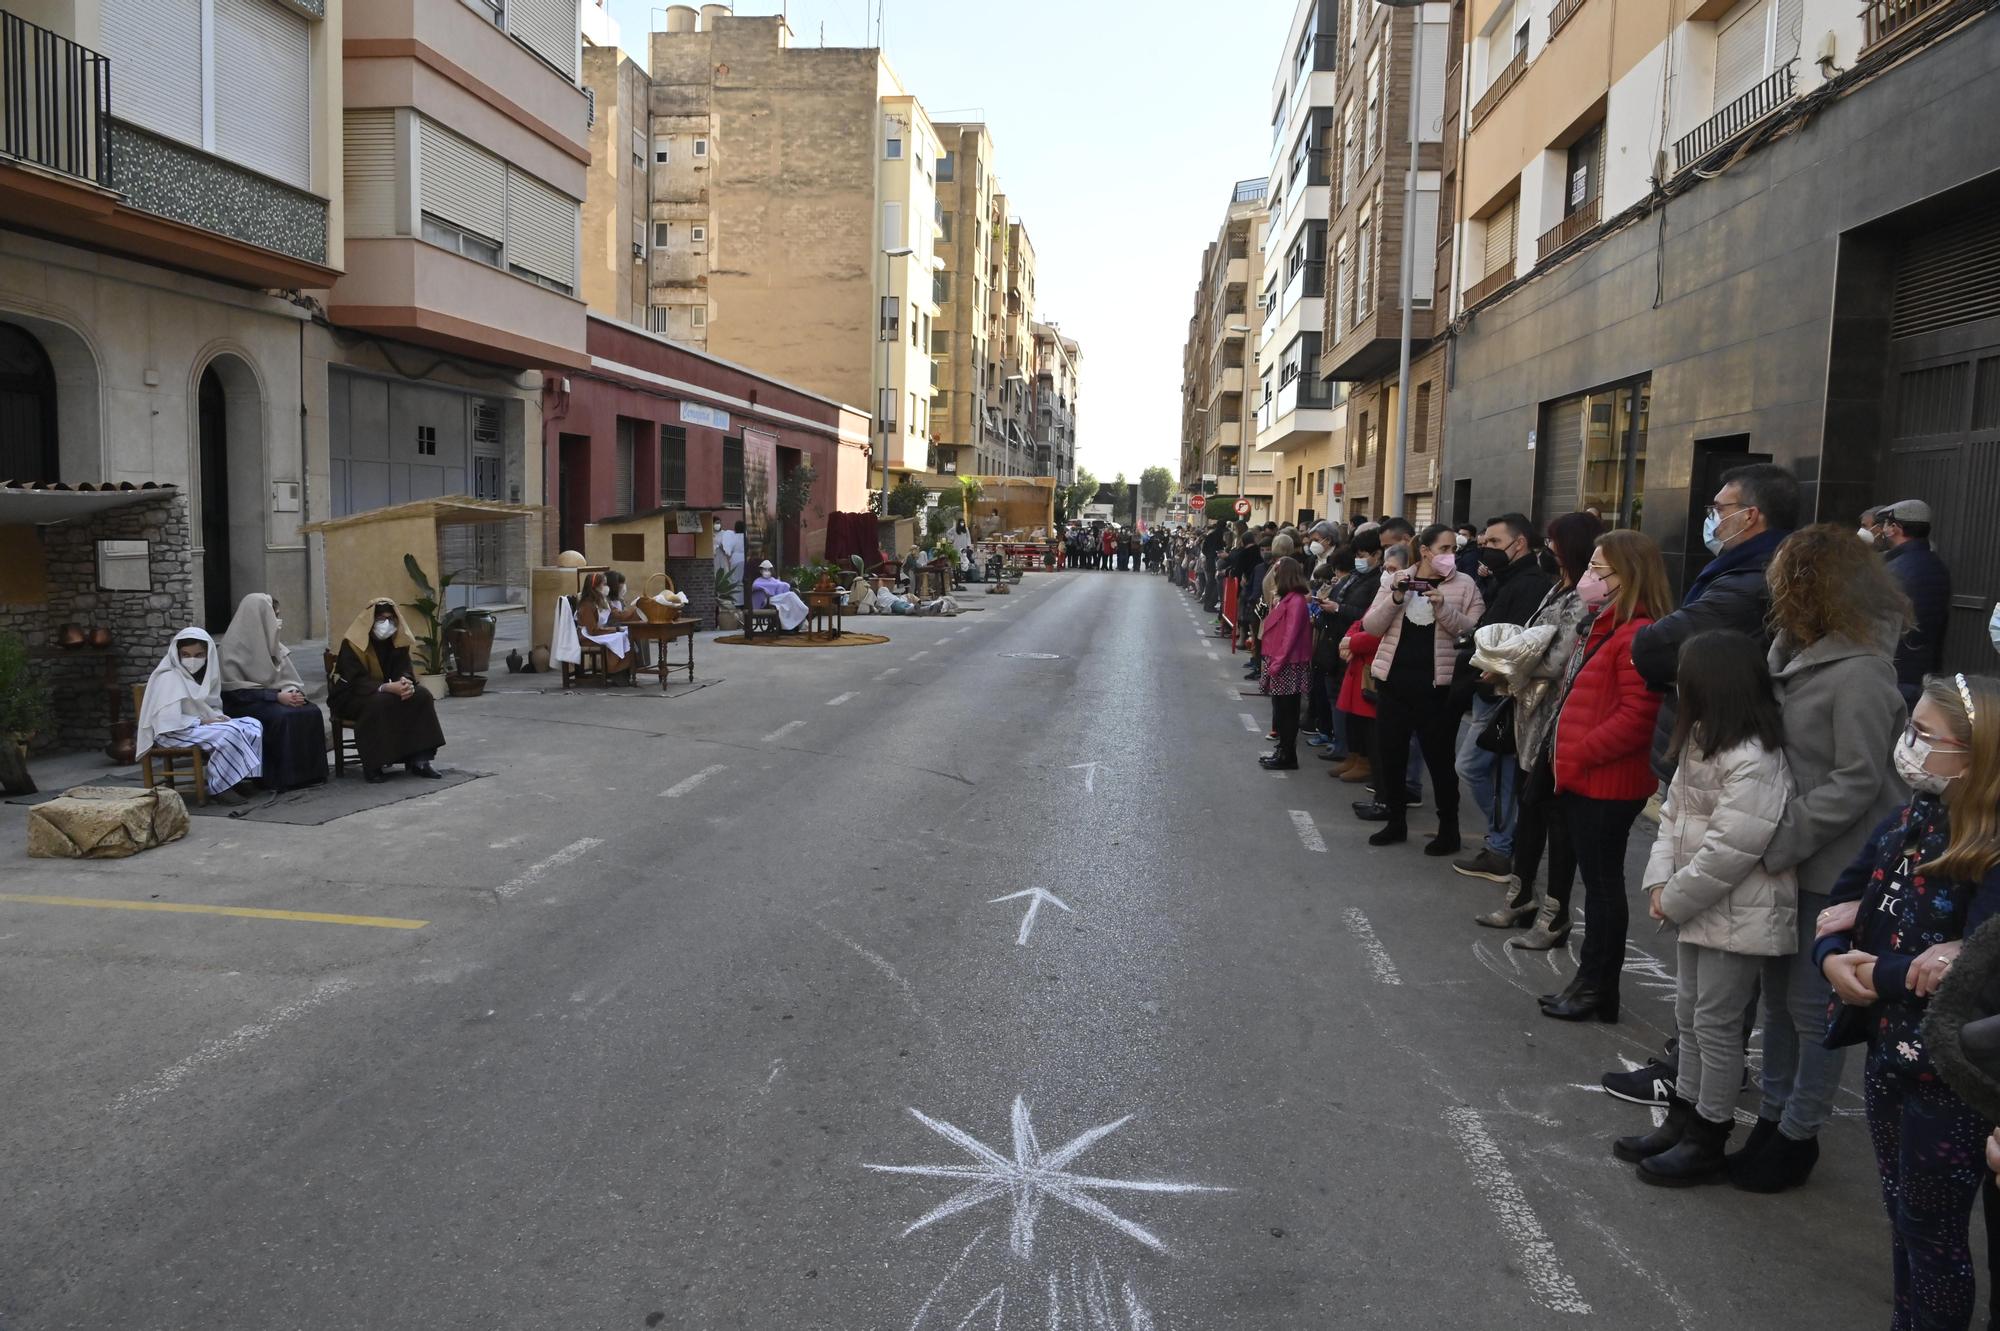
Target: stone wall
(140, 621)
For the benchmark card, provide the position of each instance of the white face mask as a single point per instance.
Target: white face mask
(1911, 755)
(1317, 548)
(1865, 534)
(385, 629)
(193, 664)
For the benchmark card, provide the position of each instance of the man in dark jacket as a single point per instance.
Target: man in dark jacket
(1904, 527)
(1513, 594)
(1753, 512)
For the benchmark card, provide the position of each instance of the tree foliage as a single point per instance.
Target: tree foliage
(1155, 484)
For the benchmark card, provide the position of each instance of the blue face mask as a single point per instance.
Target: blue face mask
(1708, 536)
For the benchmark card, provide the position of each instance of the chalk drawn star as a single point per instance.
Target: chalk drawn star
(1030, 1178)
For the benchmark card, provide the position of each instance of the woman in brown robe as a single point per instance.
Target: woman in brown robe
(374, 687)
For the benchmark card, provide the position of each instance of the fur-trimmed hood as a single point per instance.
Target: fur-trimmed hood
(1962, 1025)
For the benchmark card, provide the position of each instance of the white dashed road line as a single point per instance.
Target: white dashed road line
(892, 670)
(1249, 722)
(1309, 836)
(683, 786)
(238, 1040)
(1551, 1285)
(1378, 956)
(835, 702)
(533, 873)
(782, 731)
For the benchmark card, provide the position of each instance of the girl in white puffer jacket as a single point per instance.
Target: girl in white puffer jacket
(1706, 876)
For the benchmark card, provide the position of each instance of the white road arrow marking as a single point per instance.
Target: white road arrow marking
(1036, 896)
(1089, 771)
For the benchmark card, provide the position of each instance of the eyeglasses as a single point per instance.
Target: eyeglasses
(1717, 510)
(1912, 731)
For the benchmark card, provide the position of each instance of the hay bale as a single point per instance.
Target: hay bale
(105, 823)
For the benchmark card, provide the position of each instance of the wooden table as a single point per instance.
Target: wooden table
(664, 635)
(828, 620)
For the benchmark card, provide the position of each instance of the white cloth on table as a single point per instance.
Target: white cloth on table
(614, 640)
(232, 749)
(565, 647)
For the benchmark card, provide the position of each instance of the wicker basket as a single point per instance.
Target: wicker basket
(654, 612)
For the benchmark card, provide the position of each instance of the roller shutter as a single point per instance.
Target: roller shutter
(1949, 276)
(541, 229)
(463, 184)
(155, 50)
(369, 171)
(1739, 51)
(549, 28)
(1501, 239)
(1559, 454)
(263, 89)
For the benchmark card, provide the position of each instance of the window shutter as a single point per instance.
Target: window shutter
(1739, 51)
(549, 28)
(369, 172)
(541, 229)
(155, 50)
(263, 89)
(1501, 238)
(1949, 276)
(1786, 36)
(464, 185)
(1561, 454)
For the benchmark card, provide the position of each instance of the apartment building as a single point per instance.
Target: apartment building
(1301, 416)
(965, 299)
(1057, 381)
(617, 201)
(1219, 363)
(1711, 233)
(795, 217)
(1374, 51)
(1009, 420)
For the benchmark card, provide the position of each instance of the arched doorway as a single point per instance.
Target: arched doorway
(229, 474)
(27, 408)
(217, 604)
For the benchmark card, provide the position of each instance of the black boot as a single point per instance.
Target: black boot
(1444, 843)
(1564, 994)
(1782, 1164)
(1668, 1135)
(1753, 1146)
(1696, 1159)
(1391, 832)
(1585, 1004)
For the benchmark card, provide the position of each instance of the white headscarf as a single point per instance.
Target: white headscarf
(252, 656)
(173, 701)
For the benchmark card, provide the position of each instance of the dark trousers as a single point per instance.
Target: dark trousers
(1598, 830)
(1929, 1149)
(1541, 827)
(1422, 710)
(1319, 703)
(1285, 720)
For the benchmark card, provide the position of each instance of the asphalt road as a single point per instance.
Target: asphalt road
(715, 1022)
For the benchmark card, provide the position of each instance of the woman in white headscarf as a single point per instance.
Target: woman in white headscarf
(182, 708)
(258, 680)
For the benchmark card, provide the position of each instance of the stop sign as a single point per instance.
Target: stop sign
(1243, 508)
(1197, 502)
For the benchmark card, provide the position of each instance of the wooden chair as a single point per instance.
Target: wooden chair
(592, 659)
(165, 763)
(340, 734)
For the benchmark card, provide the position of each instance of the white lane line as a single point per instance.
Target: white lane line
(782, 731)
(892, 670)
(1249, 722)
(682, 787)
(528, 877)
(920, 655)
(835, 702)
(238, 1040)
(1378, 956)
(967, 629)
(1212, 656)
(1551, 1285)
(941, 642)
(1309, 835)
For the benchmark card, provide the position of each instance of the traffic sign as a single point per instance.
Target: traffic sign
(1197, 502)
(1243, 508)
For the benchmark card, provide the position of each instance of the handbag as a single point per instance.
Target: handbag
(1497, 735)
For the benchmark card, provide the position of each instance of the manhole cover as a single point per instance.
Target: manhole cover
(1032, 656)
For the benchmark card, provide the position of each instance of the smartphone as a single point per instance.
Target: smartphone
(1420, 584)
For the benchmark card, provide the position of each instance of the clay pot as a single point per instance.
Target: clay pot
(124, 740)
(71, 636)
(100, 637)
(540, 657)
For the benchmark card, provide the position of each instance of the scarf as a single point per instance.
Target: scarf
(172, 700)
(252, 656)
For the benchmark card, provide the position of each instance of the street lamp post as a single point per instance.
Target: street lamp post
(882, 379)
(1392, 481)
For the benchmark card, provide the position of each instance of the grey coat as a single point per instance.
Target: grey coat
(1720, 814)
(1842, 715)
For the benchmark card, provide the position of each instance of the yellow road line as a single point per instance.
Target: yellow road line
(248, 912)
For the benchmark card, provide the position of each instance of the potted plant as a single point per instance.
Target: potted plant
(24, 713)
(728, 615)
(429, 657)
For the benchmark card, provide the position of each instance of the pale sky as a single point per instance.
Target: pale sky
(1120, 128)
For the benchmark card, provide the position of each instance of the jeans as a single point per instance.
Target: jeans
(1599, 830)
(1712, 989)
(1801, 1074)
(1490, 778)
(1541, 827)
(1929, 1151)
(1319, 706)
(1421, 713)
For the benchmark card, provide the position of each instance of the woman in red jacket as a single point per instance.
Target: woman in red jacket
(1603, 776)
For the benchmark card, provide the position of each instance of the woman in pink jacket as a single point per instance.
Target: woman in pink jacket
(1287, 638)
(1419, 614)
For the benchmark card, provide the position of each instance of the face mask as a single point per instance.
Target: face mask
(1462, 541)
(1361, 566)
(193, 664)
(1993, 626)
(1911, 755)
(1708, 536)
(1317, 549)
(1592, 589)
(1445, 564)
(1865, 535)
(385, 629)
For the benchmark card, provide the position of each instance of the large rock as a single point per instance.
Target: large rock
(105, 823)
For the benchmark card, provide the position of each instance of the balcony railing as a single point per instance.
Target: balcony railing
(1883, 20)
(1497, 89)
(1489, 284)
(55, 101)
(1567, 230)
(1564, 11)
(1767, 96)
(1250, 191)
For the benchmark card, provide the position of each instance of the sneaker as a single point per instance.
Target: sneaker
(1487, 864)
(1650, 1085)
(1412, 799)
(1317, 739)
